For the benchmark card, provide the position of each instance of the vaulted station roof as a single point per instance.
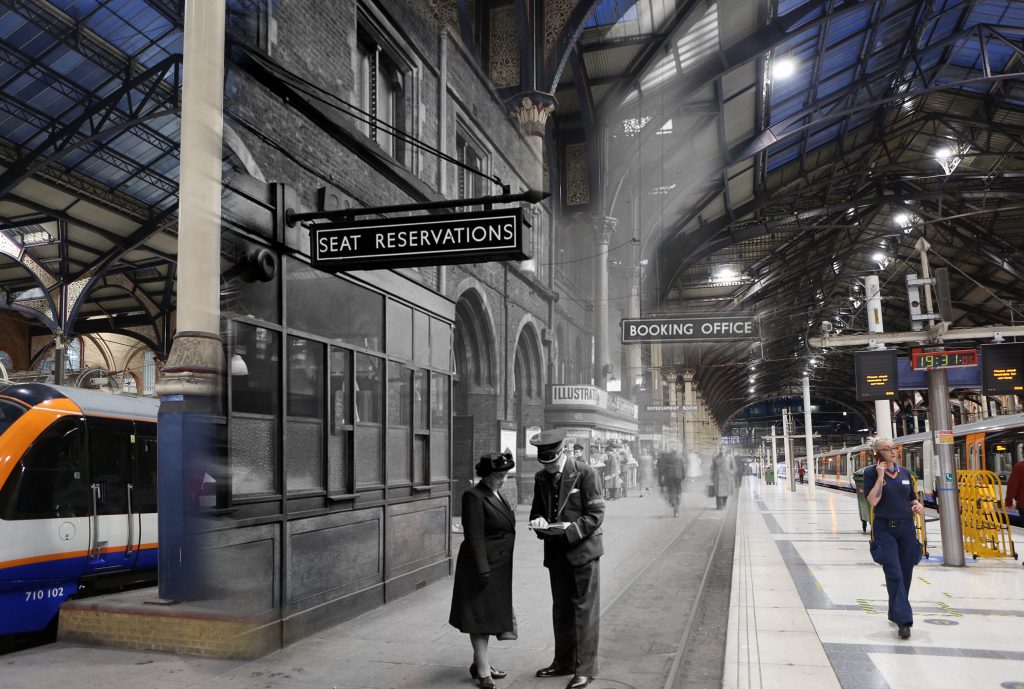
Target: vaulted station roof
(89, 135)
(782, 151)
(744, 189)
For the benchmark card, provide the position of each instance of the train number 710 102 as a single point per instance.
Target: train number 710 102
(43, 594)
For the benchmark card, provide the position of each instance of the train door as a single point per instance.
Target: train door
(142, 491)
(114, 530)
(976, 451)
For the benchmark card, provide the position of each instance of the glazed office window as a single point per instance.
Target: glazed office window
(332, 308)
(369, 427)
(400, 332)
(50, 480)
(440, 414)
(381, 84)
(399, 423)
(255, 409)
(304, 424)
(440, 345)
(421, 427)
(340, 423)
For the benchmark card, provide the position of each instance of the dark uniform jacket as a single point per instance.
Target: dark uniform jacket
(579, 500)
(489, 527)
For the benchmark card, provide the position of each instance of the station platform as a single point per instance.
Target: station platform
(806, 608)
(808, 605)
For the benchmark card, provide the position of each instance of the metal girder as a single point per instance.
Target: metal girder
(839, 105)
(98, 121)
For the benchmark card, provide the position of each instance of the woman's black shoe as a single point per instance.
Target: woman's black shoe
(904, 631)
(495, 673)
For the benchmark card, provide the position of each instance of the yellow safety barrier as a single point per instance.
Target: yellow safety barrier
(986, 528)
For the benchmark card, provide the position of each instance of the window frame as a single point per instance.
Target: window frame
(381, 44)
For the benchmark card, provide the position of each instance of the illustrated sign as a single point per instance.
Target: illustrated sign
(876, 374)
(944, 437)
(419, 241)
(689, 329)
(590, 396)
(1002, 368)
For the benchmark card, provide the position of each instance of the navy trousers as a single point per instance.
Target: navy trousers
(896, 548)
(576, 614)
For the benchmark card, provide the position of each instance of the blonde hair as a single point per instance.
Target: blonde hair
(876, 440)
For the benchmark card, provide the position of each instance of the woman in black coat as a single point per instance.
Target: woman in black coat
(482, 599)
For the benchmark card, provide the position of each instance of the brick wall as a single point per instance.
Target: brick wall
(14, 339)
(85, 622)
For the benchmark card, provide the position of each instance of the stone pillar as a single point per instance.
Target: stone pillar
(532, 112)
(633, 354)
(689, 417)
(603, 231)
(190, 387)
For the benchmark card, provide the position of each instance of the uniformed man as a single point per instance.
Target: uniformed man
(567, 511)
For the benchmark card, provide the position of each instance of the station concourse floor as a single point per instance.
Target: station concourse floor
(806, 609)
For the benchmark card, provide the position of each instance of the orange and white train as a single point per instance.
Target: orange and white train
(993, 444)
(78, 480)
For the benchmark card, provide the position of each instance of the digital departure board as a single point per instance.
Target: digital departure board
(955, 358)
(1002, 368)
(876, 374)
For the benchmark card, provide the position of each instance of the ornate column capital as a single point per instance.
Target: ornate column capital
(604, 227)
(532, 112)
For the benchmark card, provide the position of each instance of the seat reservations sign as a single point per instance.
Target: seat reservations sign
(419, 241)
(689, 329)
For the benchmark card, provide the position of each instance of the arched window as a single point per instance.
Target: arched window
(72, 357)
(148, 374)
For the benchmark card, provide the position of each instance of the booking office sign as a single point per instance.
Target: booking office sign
(425, 240)
(703, 328)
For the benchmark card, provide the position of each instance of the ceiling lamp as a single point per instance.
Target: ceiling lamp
(784, 68)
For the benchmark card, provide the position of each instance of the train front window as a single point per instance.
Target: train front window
(9, 413)
(49, 481)
(1000, 458)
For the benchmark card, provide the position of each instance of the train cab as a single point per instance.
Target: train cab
(78, 480)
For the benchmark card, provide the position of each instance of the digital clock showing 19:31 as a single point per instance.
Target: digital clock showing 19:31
(955, 358)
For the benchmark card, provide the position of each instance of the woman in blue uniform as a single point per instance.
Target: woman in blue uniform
(482, 597)
(889, 489)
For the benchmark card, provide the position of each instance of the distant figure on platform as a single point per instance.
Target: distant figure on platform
(721, 478)
(482, 597)
(612, 476)
(800, 473)
(646, 472)
(671, 473)
(567, 513)
(693, 468)
(1015, 488)
(769, 475)
(889, 490)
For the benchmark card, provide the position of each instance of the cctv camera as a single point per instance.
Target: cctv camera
(826, 326)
